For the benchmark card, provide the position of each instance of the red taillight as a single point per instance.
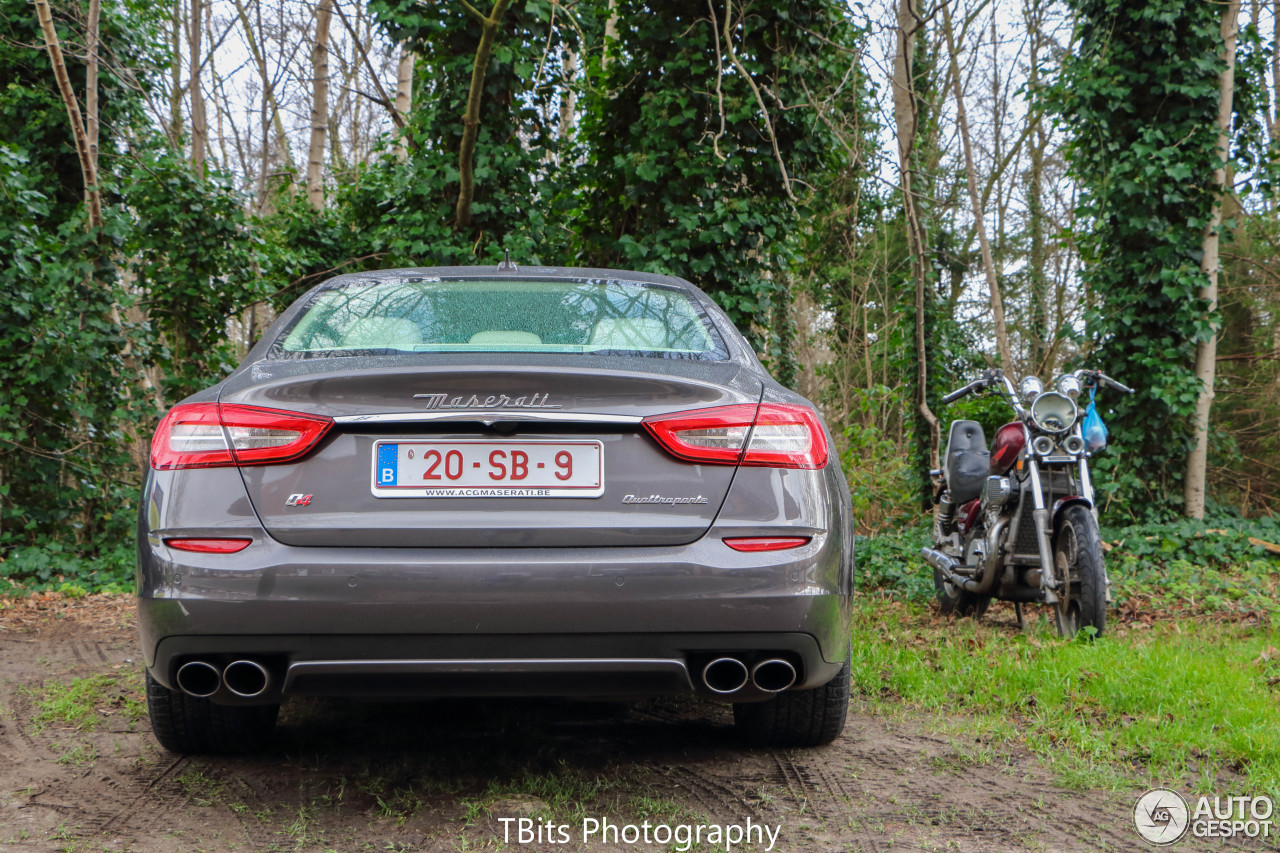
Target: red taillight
(209, 546)
(704, 435)
(780, 435)
(765, 543)
(209, 435)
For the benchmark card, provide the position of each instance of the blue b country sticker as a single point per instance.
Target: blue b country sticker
(388, 455)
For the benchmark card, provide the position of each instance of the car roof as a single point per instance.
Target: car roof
(518, 272)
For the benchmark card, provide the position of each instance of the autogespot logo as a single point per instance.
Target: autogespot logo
(1161, 816)
(1164, 817)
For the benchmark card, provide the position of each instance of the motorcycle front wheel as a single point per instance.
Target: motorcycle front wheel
(1077, 553)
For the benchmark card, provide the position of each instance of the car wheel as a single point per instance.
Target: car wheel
(188, 724)
(797, 717)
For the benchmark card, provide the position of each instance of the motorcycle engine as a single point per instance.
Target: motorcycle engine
(996, 493)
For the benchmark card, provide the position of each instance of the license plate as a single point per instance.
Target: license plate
(488, 469)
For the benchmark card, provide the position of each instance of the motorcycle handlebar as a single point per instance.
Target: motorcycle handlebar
(1097, 377)
(960, 392)
(1119, 386)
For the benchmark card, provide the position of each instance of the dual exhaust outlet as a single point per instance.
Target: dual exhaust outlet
(243, 678)
(729, 675)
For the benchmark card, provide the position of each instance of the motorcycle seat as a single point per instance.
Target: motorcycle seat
(967, 462)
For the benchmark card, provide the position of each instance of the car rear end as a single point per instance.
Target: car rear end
(374, 510)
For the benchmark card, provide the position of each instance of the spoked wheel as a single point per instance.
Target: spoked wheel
(952, 599)
(1077, 553)
(956, 601)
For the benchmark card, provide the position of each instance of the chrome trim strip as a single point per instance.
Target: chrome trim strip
(489, 666)
(488, 416)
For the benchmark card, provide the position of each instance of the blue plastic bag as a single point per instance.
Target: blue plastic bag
(1095, 431)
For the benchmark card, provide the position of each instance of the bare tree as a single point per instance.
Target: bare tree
(1207, 350)
(199, 124)
(906, 117)
(268, 86)
(319, 105)
(88, 164)
(988, 263)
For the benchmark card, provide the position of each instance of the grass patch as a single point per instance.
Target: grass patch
(565, 793)
(1191, 703)
(84, 702)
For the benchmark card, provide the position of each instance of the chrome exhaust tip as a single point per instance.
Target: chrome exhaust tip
(246, 678)
(725, 675)
(773, 675)
(199, 678)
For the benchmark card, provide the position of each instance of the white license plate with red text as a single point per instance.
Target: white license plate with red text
(488, 469)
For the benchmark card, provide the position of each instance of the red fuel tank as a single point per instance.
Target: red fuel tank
(1010, 439)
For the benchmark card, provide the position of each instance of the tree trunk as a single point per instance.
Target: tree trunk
(91, 117)
(568, 96)
(610, 35)
(906, 119)
(1038, 327)
(988, 263)
(88, 163)
(471, 121)
(319, 105)
(404, 94)
(1207, 350)
(175, 79)
(199, 124)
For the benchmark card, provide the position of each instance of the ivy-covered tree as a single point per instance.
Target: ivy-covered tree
(703, 139)
(504, 132)
(1140, 100)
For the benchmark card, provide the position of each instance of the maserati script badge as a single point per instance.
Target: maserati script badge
(493, 401)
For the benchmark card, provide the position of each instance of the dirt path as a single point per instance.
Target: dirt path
(440, 776)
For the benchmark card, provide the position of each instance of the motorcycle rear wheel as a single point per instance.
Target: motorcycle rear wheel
(1077, 554)
(953, 601)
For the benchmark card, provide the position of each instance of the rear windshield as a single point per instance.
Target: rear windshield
(591, 316)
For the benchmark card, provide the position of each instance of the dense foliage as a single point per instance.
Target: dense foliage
(733, 143)
(1140, 98)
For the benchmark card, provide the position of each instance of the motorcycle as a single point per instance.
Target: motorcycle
(1018, 522)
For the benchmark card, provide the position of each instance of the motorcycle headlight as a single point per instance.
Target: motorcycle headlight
(1054, 412)
(1043, 445)
(1068, 384)
(1030, 387)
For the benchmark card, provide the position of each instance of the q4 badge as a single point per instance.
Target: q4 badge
(298, 500)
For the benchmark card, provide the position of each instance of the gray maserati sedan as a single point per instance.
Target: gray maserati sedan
(495, 482)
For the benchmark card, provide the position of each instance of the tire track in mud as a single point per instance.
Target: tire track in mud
(160, 795)
(26, 745)
(712, 793)
(992, 806)
(797, 782)
(257, 830)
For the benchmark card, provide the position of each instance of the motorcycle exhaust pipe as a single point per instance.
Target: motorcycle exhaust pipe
(246, 678)
(947, 565)
(199, 678)
(773, 675)
(725, 675)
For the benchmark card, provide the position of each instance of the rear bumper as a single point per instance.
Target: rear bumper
(540, 621)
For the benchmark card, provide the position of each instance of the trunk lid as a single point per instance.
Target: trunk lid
(454, 435)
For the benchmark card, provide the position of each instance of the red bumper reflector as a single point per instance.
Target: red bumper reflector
(209, 546)
(766, 543)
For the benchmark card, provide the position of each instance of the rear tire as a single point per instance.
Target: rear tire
(797, 718)
(957, 602)
(1077, 554)
(190, 724)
